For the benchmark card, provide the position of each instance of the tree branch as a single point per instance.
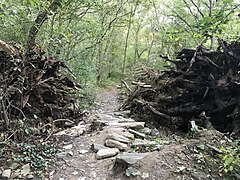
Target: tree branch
(198, 9)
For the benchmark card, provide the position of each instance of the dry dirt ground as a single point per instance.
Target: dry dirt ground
(182, 158)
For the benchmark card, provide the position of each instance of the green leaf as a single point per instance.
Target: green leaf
(228, 1)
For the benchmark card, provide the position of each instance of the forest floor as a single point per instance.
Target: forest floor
(180, 158)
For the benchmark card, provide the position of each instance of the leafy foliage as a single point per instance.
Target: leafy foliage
(230, 158)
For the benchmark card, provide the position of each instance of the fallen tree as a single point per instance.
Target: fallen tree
(202, 86)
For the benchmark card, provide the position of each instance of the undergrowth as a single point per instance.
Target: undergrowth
(230, 160)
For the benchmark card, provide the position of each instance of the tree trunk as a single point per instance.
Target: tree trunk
(210, 15)
(41, 18)
(127, 36)
(136, 45)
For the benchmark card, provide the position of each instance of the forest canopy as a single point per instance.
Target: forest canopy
(106, 39)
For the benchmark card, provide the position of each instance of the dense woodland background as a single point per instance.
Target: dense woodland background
(105, 40)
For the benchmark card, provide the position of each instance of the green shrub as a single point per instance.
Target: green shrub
(230, 159)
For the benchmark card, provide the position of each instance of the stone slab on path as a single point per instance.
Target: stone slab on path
(130, 158)
(96, 147)
(118, 137)
(134, 125)
(106, 153)
(137, 134)
(116, 144)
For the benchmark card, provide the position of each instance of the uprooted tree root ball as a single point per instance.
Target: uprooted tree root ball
(34, 91)
(204, 87)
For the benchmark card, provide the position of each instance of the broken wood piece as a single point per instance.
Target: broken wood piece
(126, 86)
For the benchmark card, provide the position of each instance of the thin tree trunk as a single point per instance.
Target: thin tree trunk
(126, 46)
(136, 45)
(41, 18)
(210, 15)
(126, 42)
(150, 50)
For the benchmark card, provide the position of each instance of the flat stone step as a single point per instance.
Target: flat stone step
(137, 134)
(118, 137)
(133, 125)
(116, 144)
(96, 147)
(130, 158)
(106, 153)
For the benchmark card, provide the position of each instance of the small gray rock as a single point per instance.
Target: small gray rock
(146, 130)
(154, 132)
(6, 174)
(96, 147)
(83, 151)
(105, 153)
(130, 158)
(67, 147)
(30, 176)
(61, 155)
(70, 153)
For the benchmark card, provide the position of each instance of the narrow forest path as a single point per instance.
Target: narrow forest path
(170, 158)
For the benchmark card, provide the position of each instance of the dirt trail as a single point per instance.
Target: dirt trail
(78, 161)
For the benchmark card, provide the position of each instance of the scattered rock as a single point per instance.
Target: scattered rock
(93, 174)
(146, 130)
(137, 134)
(105, 153)
(134, 125)
(25, 169)
(30, 176)
(61, 155)
(83, 151)
(116, 144)
(75, 173)
(145, 175)
(70, 153)
(52, 173)
(6, 174)
(118, 137)
(130, 158)
(154, 132)
(131, 171)
(96, 147)
(67, 147)
(14, 165)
